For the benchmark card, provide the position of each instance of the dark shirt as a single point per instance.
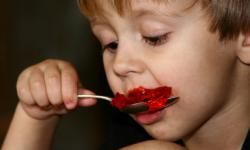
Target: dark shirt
(122, 131)
(246, 145)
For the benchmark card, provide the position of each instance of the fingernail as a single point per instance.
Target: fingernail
(70, 104)
(75, 98)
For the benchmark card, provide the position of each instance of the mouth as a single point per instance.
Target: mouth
(151, 99)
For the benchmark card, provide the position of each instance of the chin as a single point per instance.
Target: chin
(162, 131)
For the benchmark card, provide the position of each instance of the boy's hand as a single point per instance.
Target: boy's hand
(50, 88)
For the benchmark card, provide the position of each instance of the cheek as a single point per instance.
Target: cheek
(201, 78)
(196, 75)
(195, 67)
(113, 81)
(108, 71)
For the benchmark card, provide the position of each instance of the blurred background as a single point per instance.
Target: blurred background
(35, 30)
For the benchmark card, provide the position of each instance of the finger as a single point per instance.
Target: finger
(69, 80)
(23, 90)
(60, 110)
(38, 88)
(85, 102)
(52, 78)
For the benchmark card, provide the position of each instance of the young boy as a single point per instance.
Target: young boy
(200, 48)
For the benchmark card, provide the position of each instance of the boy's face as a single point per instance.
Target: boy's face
(166, 44)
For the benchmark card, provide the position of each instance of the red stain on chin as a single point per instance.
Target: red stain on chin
(155, 98)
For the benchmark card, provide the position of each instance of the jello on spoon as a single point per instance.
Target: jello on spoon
(152, 99)
(140, 100)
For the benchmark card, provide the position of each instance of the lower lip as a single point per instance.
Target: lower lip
(149, 118)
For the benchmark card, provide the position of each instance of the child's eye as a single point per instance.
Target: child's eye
(156, 40)
(111, 46)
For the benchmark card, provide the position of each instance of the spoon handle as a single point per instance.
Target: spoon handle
(94, 96)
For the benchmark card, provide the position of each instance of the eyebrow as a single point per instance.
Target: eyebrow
(98, 20)
(147, 12)
(144, 12)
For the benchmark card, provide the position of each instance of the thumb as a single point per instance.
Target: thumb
(86, 102)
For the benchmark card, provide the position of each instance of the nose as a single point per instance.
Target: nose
(128, 62)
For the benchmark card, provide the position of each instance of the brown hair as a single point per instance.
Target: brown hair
(228, 17)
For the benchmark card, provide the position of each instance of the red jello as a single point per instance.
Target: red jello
(155, 99)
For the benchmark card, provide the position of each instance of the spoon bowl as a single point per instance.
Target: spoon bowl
(143, 107)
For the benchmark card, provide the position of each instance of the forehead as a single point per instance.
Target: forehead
(100, 9)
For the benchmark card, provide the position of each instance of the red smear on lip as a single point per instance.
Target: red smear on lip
(154, 98)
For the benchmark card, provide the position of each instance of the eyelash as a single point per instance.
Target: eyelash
(156, 40)
(110, 46)
(153, 41)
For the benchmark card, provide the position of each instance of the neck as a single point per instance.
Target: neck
(228, 127)
(223, 132)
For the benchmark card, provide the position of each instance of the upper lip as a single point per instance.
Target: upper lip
(144, 86)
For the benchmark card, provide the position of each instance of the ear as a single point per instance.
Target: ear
(243, 51)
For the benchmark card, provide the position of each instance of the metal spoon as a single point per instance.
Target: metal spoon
(133, 108)
(142, 107)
